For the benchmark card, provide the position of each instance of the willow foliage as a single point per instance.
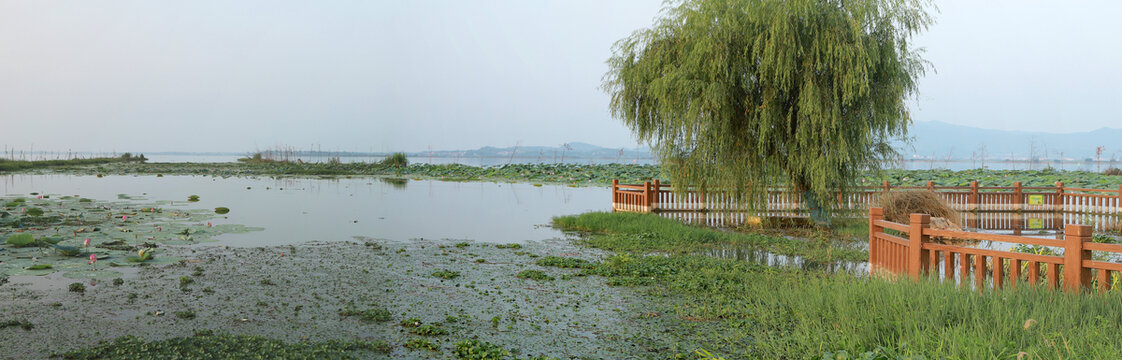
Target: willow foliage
(750, 94)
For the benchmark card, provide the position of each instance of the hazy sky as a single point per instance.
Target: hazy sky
(408, 75)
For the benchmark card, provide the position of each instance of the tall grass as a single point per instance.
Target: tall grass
(631, 232)
(741, 310)
(397, 159)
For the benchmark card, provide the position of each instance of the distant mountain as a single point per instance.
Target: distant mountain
(574, 150)
(943, 140)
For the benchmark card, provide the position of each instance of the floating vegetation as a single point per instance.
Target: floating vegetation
(428, 330)
(537, 275)
(509, 246)
(221, 210)
(446, 274)
(77, 287)
(193, 198)
(22, 324)
(40, 267)
(480, 350)
(565, 262)
(421, 344)
(209, 345)
(34, 212)
(375, 315)
(21, 240)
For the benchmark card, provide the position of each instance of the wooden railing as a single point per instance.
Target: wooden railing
(655, 196)
(906, 249)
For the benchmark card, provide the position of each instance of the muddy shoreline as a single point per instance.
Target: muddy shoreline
(296, 293)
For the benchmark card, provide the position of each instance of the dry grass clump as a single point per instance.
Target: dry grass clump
(1112, 171)
(899, 205)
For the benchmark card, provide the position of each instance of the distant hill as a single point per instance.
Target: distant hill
(945, 140)
(574, 150)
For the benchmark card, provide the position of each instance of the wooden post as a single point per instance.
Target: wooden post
(1076, 277)
(917, 257)
(875, 214)
(1118, 205)
(886, 187)
(615, 193)
(973, 196)
(931, 185)
(656, 202)
(647, 196)
(1018, 199)
(1059, 207)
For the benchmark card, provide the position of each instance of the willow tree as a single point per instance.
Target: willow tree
(746, 95)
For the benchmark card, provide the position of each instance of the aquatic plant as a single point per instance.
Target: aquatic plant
(508, 246)
(193, 198)
(118, 282)
(221, 210)
(21, 240)
(446, 274)
(428, 330)
(421, 344)
(473, 349)
(206, 344)
(22, 324)
(40, 267)
(374, 314)
(34, 212)
(185, 314)
(411, 322)
(77, 287)
(397, 159)
(534, 275)
(67, 250)
(143, 255)
(565, 262)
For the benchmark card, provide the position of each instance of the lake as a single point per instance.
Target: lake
(294, 210)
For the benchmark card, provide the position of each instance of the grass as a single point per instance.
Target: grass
(631, 232)
(206, 345)
(741, 310)
(565, 262)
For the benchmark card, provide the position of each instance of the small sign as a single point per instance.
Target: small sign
(1035, 223)
(1036, 200)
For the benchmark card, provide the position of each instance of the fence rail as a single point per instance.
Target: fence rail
(655, 196)
(911, 252)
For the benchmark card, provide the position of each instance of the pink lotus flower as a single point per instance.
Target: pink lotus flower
(159, 228)
(208, 224)
(124, 217)
(93, 259)
(87, 242)
(39, 197)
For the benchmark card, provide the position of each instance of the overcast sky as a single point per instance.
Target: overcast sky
(409, 75)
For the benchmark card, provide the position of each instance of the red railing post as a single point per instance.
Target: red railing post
(1059, 196)
(1118, 205)
(615, 193)
(646, 197)
(917, 257)
(931, 186)
(886, 186)
(1018, 198)
(973, 196)
(657, 201)
(1076, 277)
(875, 214)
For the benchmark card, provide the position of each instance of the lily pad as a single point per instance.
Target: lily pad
(21, 240)
(221, 210)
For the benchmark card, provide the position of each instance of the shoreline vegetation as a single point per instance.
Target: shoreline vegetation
(735, 309)
(567, 174)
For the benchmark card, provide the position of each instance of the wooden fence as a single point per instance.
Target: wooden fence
(655, 196)
(909, 251)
